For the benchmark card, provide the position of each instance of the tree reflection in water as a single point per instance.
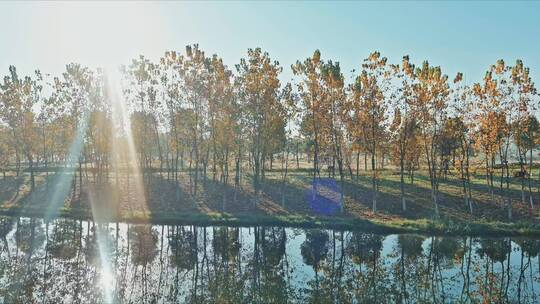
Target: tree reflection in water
(62, 260)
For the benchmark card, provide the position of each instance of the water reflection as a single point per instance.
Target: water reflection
(85, 262)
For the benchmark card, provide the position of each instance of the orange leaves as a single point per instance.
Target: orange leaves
(499, 67)
(492, 128)
(374, 61)
(459, 77)
(369, 104)
(506, 99)
(431, 93)
(258, 85)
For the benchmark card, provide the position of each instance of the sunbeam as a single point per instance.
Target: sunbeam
(107, 275)
(63, 180)
(124, 154)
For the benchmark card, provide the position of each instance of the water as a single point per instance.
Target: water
(83, 262)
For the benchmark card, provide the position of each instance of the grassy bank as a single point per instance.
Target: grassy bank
(418, 226)
(170, 202)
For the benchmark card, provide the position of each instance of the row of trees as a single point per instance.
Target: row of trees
(192, 110)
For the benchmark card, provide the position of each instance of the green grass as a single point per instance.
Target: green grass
(488, 219)
(419, 226)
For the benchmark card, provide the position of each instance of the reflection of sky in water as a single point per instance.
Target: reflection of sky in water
(156, 274)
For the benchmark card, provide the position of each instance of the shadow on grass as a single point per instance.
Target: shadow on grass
(284, 198)
(115, 198)
(359, 195)
(10, 188)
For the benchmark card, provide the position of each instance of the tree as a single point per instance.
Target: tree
(99, 135)
(170, 68)
(462, 128)
(195, 92)
(289, 101)
(334, 85)
(370, 106)
(259, 89)
(224, 114)
(430, 105)
(507, 106)
(5, 151)
(313, 98)
(10, 109)
(523, 100)
(74, 91)
(530, 139)
(19, 97)
(490, 125)
(49, 111)
(403, 128)
(141, 92)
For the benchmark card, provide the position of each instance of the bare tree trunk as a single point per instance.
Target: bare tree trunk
(468, 177)
(285, 161)
(374, 182)
(32, 178)
(365, 162)
(529, 177)
(357, 165)
(297, 157)
(432, 168)
(522, 174)
(402, 182)
(237, 173)
(158, 142)
(190, 172)
(196, 177)
(504, 160)
(17, 163)
(80, 177)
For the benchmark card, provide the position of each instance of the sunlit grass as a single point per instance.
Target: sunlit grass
(63, 180)
(205, 210)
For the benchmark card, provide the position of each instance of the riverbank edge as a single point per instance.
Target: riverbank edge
(440, 227)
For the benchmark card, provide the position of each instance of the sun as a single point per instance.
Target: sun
(96, 34)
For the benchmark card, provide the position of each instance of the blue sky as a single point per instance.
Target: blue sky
(458, 36)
